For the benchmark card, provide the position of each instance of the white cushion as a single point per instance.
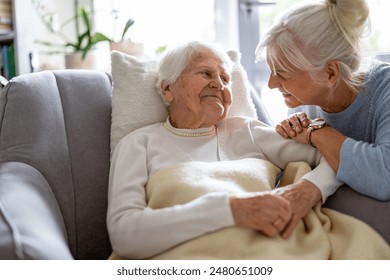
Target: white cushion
(136, 102)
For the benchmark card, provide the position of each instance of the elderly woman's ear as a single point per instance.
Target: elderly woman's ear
(166, 92)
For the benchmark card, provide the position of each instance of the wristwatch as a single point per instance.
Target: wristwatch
(315, 124)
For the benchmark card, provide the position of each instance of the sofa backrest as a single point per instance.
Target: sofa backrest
(59, 123)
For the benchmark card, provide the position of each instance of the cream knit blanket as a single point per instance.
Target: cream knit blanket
(322, 234)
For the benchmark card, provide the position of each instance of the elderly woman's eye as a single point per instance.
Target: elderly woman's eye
(225, 80)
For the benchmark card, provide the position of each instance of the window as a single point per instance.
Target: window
(377, 40)
(158, 23)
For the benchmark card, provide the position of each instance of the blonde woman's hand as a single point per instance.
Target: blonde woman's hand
(294, 125)
(266, 213)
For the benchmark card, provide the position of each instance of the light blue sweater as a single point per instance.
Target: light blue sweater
(365, 155)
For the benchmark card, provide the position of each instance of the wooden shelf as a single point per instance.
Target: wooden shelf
(7, 38)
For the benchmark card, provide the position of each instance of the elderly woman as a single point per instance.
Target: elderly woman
(313, 51)
(194, 79)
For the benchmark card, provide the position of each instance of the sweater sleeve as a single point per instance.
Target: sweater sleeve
(139, 232)
(366, 166)
(281, 151)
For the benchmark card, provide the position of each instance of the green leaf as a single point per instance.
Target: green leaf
(100, 37)
(86, 20)
(129, 23)
(73, 45)
(84, 40)
(85, 51)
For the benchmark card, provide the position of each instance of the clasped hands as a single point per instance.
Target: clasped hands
(295, 127)
(278, 211)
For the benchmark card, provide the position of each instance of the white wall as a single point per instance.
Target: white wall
(226, 23)
(28, 28)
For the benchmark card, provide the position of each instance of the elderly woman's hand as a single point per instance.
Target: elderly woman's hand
(302, 196)
(294, 125)
(266, 212)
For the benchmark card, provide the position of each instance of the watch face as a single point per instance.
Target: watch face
(317, 123)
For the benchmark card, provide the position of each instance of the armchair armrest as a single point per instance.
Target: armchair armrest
(31, 224)
(369, 210)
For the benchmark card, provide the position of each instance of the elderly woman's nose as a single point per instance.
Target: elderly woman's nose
(217, 83)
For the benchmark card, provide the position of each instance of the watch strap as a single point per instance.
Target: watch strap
(308, 135)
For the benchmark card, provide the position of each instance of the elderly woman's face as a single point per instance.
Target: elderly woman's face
(201, 95)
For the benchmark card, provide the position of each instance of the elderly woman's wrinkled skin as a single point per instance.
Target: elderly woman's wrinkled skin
(201, 96)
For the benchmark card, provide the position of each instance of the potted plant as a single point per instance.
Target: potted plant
(124, 44)
(79, 50)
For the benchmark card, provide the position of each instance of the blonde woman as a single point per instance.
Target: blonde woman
(314, 53)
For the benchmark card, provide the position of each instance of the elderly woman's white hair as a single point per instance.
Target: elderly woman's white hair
(310, 35)
(175, 60)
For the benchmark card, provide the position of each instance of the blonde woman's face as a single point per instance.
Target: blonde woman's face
(201, 96)
(297, 87)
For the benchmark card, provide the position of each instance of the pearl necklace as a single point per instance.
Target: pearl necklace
(185, 134)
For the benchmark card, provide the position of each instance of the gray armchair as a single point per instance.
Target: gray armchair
(54, 165)
(54, 162)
